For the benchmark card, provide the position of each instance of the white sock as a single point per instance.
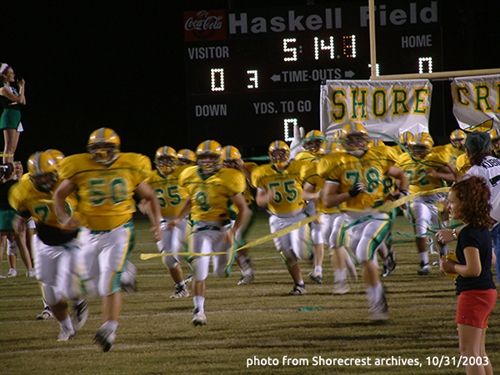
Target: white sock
(318, 270)
(181, 283)
(199, 303)
(66, 324)
(247, 272)
(340, 275)
(111, 325)
(424, 257)
(374, 293)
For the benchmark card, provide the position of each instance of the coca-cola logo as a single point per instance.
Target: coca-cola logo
(204, 25)
(203, 22)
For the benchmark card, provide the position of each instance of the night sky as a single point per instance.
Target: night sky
(89, 64)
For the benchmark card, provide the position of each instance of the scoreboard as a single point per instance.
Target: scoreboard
(251, 74)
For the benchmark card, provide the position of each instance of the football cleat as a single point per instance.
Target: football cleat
(341, 287)
(279, 154)
(81, 313)
(246, 279)
(42, 171)
(12, 272)
(208, 155)
(180, 291)
(318, 279)
(314, 142)
(105, 339)
(424, 270)
(46, 314)
(389, 264)
(186, 157)
(65, 335)
(165, 160)
(199, 318)
(298, 290)
(104, 146)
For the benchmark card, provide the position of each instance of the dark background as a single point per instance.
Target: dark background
(89, 64)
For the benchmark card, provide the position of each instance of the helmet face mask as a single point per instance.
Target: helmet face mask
(419, 151)
(314, 146)
(166, 164)
(42, 171)
(103, 153)
(208, 163)
(356, 144)
(280, 158)
(45, 182)
(457, 139)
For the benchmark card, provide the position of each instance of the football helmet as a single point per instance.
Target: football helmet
(186, 157)
(208, 155)
(165, 160)
(279, 154)
(405, 138)
(421, 145)
(355, 138)
(231, 157)
(104, 146)
(314, 142)
(457, 139)
(42, 170)
(56, 154)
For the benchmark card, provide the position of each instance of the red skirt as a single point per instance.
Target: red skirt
(475, 306)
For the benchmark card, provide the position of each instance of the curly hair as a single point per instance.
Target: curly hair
(474, 195)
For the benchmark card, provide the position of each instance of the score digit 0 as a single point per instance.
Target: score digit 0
(217, 79)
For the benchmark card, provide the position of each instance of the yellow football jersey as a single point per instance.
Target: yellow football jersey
(210, 196)
(370, 169)
(307, 156)
(105, 194)
(462, 165)
(416, 170)
(170, 195)
(452, 153)
(309, 174)
(24, 197)
(286, 184)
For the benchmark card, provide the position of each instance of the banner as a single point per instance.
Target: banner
(476, 100)
(386, 108)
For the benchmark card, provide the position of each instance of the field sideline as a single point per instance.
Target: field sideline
(258, 321)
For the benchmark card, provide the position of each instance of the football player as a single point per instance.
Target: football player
(426, 170)
(314, 144)
(56, 246)
(209, 188)
(231, 158)
(354, 182)
(106, 180)
(279, 190)
(165, 183)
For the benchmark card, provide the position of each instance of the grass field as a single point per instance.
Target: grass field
(258, 321)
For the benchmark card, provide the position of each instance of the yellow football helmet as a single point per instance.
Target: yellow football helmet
(208, 155)
(457, 139)
(314, 142)
(355, 138)
(279, 154)
(186, 157)
(42, 170)
(165, 160)
(406, 138)
(104, 146)
(421, 145)
(231, 157)
(56, 154)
